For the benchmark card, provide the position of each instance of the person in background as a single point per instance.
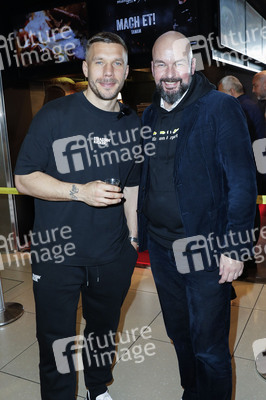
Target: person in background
(255, 119)
(199, 186)
(259, 89)
(256, 126)
(64, 163)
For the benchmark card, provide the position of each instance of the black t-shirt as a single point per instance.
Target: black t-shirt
(73, 141)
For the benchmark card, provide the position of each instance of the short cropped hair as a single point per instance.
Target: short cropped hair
(231, 82)
(106, 37)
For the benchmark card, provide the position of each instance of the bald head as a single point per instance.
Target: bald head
(259, 85)
(172, 41)
(172, 66)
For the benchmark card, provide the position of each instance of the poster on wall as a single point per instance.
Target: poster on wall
(140, 22)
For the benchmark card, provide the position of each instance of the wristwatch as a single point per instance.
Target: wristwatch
(133, 239)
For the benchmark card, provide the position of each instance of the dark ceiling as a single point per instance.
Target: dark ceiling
(260, 6)
(25, 5)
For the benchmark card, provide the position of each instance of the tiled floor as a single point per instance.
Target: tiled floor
(148, 369)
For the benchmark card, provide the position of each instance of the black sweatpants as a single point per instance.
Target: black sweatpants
(57, 290)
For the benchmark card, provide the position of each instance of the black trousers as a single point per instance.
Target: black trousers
(57, 290)
(196, 312)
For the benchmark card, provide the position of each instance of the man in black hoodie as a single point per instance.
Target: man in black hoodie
(196, 212)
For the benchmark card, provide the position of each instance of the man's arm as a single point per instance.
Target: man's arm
(237, 159)
(43, 186)
(130, 207)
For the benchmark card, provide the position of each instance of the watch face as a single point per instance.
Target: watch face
(261, 363)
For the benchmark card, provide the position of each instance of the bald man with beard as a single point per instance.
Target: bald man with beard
(196, 205)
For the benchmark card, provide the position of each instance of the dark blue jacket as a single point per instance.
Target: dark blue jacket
(214, 173)
(255, 117)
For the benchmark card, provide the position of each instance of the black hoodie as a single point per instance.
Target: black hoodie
(161, 206)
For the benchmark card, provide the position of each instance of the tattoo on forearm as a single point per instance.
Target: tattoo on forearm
(73, 192)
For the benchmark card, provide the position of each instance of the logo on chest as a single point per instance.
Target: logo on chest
(169, 134)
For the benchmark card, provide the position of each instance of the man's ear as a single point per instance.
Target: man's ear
(193, 65)
(126, 72)
(152, 68)
(85, 68)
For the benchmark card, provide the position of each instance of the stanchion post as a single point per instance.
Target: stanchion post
(9, 312)
(2, 303)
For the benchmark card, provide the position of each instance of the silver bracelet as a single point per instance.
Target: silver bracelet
(133, 239)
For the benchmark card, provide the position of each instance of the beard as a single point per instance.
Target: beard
(171, 97)
(105, 95)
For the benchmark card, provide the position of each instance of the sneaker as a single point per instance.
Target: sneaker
(104, 396)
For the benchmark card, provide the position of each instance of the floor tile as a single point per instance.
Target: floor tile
(142, 279)
(25, 286)
(16, 274)
(255, 329)
(239, 318)
(261, 302)
(158, 329)
(248, 384)
(25, 365)
(247, 293)
(16, 337)
(18, 260)
(8, 284)
(139, 309)
(26, 299)
(18, 389)
(156, 377)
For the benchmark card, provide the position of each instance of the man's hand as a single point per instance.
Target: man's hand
(99, 194)
(230, 269)
(135, 245)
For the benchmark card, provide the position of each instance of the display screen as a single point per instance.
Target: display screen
(241, 28)
(264, 41)
(233, 25)
(53, 35)
(56, 35)
(254, 24)
(140, 22)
